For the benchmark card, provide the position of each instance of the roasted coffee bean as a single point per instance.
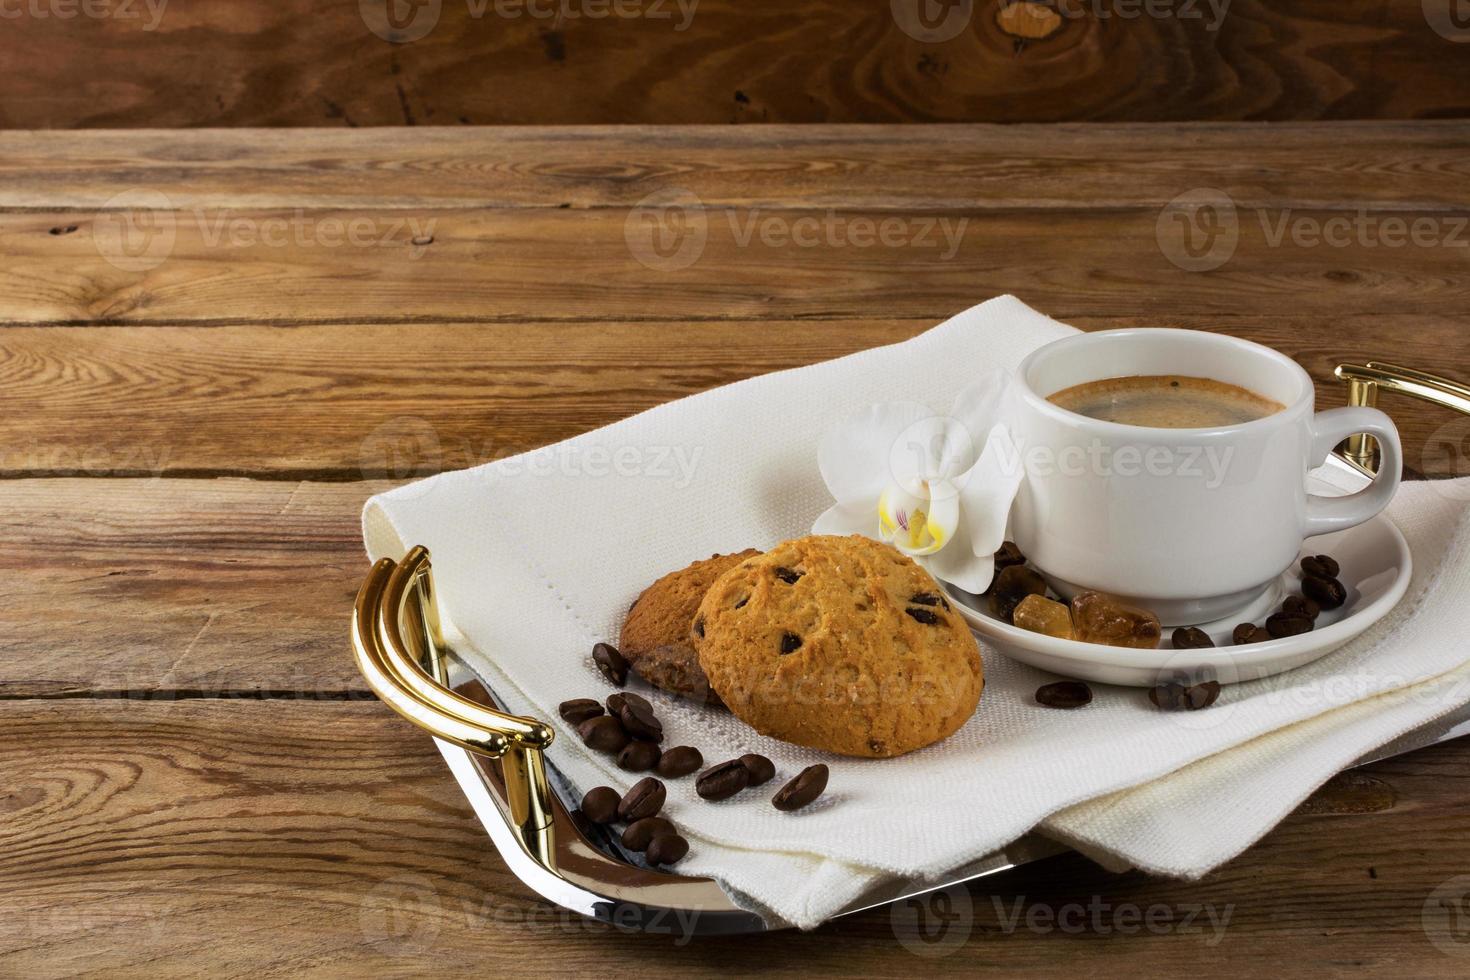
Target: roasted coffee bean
(1320, 566)
(639, 721)
(645, 799)
(790, 643)
(1182, 697)
(1328, 593)
(668, 849)
(722, 781)
(1008, 555)
(600, 805)
(639, 755)
(615, 702)
(926, 616)
(641, 832)
(611, 663)
(1064, 694)
(806, 787)
(1249, 633)
(1191, 638)
(1301, 606)
(1285, 624)
(929, 599)
(603, 733)
(789, 575)
(579, 710)
(681, 760)
(761, 769)
(1013, 584)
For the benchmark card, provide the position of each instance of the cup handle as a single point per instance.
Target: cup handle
(1326, 514)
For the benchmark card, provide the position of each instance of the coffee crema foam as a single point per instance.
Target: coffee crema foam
(1165, 401)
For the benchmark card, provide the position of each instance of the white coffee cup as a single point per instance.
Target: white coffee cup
(1193, 524)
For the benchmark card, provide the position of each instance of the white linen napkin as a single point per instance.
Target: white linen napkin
(538, 557)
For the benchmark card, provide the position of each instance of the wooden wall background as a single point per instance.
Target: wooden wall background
(184, 63)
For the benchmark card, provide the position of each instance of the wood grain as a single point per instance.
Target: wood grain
(276, 838)
(1349, 165)
(303, 63)
(393, 401)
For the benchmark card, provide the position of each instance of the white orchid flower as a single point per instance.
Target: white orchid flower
(917, 480)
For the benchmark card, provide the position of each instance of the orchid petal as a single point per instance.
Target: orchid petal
(957, 565)
(989, 489)
(854, 456)
(933, 449)
(860, 517)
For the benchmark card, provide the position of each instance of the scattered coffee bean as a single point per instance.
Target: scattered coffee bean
(1320, 566)
(638, 719)
(579, 710)
(612, 664)
(1182, 697)
(1191, 638)
(1008, 555)
(600, 805)
(641, 832)
(645, 799)
(1249, 633)
(788, 575)
(722, 781)
(790, 643)
(639, 755)
(1013, 584)
(668, 849)
(1301, 606)
(926, 616)
(617, 699)
(603, 734)
(761, 769)
(681, 760)
(806, 787)
(1328, 593)
(1064, 694)
(1285, 624)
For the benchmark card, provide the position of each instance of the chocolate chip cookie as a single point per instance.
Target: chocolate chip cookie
(838, 643)
(655, 638)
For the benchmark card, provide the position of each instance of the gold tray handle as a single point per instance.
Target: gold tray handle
(1364, 381)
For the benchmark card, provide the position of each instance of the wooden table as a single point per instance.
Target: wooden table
(197, 400)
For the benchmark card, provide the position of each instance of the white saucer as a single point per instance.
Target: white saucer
(1375, 563)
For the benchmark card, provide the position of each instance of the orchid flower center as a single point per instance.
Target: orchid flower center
(918, 516)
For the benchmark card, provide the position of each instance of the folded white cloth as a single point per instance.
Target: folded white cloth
(537, 557)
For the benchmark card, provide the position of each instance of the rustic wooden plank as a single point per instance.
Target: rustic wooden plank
(392, 401)
(1419, 164)
(276, 838)
(169, 588)
(299, 63)
(679, 264)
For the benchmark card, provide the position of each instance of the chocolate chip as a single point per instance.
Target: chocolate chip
(806, 787)
(681, 760)
(638, 719)
(645, 799)
(639, 755)
(722, 781)
(790, 643)
(668, 849)
(1320, 566)
(741, 603)
(1328, 593)
(603, 734)
(761, 769)
(600, 805)
(1191, 638)
(1185, 697)
(926, 616)
(1249, 633)
(929, 599)
(611, 663)
(579, 710)
(1285, 624)
(788, 575)
(699, 627)
(640, 833)
(1301, 606)
(1064, 694)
